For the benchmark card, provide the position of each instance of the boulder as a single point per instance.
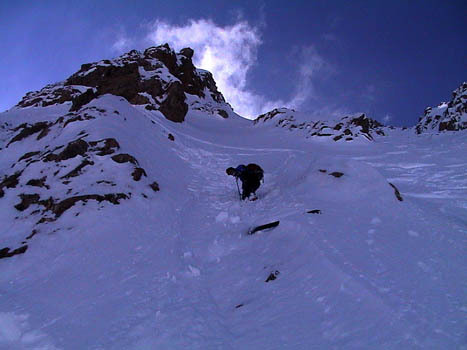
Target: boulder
(124, 158)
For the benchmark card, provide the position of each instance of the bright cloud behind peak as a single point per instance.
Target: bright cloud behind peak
(230, 52)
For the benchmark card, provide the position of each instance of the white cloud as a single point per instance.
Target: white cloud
(369, 93)
(229, 53)
(310, 63)
(121, 44)
(387, 118)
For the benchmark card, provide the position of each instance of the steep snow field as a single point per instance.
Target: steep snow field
(176, 270)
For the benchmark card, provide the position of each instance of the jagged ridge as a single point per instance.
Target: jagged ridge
(451, 116)
(158, 78)
(347, 128)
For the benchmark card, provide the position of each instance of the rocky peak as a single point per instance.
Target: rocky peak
(158, 78)
(347, 128)
(284, 114)
(447, 116)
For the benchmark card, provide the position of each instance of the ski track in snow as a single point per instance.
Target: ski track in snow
(368, 273)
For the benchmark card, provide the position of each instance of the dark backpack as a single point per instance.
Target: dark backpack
(256, 170)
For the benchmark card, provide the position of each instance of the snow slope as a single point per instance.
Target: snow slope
(174, 269)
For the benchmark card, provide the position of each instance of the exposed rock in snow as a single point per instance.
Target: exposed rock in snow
(451, 116)
(396, 192)
(94, 253)
(314, 211)
(158, 78)
(272, 276)
(7, 253)
(347, 128)
(67, 167)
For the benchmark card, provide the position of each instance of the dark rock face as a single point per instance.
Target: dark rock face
(27, 130)
(314, 211)
(74, 148)
(26, 201)
(451, 116)
(28, 155)
(272, 276)
(83, 99)
(264, 227)
(124, 158)
(77, 171)
(71, 117)
(366, 124)
(109, 79)
(396, 192)
(449, 125)
(187, 52)
(138, 173)
(6, 253)
(223, 113)
(38, 182)
(105, 146)
(33, 233)
(155, 186)
(336, 174)
(164, 54)
(174, 107)
(81, 147)
(270, 115)
(158, 78)
(49, 95)
(62, 206)
(10, 181)
(58, 208)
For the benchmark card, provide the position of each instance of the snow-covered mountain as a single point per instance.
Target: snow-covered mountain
(448, 116)
(347, 128)
(121, 230)
(158, 79)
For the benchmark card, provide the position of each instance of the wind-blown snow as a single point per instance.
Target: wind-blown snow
(176, 270)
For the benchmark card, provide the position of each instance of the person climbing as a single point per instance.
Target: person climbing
(250, 175)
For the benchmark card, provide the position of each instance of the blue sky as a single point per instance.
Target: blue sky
(328, 58)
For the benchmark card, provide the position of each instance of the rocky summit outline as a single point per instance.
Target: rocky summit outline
(158, 78)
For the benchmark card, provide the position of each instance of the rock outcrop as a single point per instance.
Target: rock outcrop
(448, 116)
(347, 128)
(157, 78)
(66, 170)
